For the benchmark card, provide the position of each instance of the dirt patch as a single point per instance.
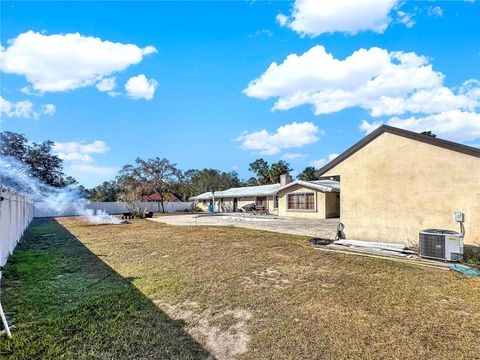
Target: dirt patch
(224, 332)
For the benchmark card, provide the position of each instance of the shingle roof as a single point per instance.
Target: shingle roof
(262, 190)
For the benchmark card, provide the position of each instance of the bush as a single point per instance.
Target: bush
(471, 255)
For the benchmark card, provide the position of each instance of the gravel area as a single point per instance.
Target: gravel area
(322, 228)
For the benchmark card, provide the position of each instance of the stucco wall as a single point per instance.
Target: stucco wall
(394, 187)
(332, 205)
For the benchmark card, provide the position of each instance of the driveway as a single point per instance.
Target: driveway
(322, 228)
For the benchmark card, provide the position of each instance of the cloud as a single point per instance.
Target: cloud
(294, 135)
(265, 32)
(90, 169)
(321, 162)
(282, 19)
(139, 87)
(95, 147)
(24, 109)
(435, 11)
(314, 17)
(293, 156)
(79, 160)
(405, 18)
(454, 125)
(382, 82)
(62, 62)
(106, 84)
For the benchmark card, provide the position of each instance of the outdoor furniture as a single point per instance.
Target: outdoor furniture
(260, 210)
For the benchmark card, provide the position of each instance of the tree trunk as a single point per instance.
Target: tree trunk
(161, 201)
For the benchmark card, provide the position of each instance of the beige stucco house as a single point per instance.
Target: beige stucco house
(395, 183)
(308, 199)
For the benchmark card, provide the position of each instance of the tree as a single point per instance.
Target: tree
(145, 178)
(308, 174)
(14, 145)
(250, 182)
(277, 169)
(428, 133)
(261, 169)
(106, 191)
(131, 188)
(160, 176)
(37, 157)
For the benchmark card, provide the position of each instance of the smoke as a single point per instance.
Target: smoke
(67, 200)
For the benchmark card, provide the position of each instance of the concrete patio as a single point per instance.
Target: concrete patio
(322, 228)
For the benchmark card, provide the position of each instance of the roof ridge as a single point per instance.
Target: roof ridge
(446, 144)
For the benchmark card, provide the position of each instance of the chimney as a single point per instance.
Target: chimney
(285, 179)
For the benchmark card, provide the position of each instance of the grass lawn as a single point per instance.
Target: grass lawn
(149, 290)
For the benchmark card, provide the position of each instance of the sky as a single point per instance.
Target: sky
(219, 84)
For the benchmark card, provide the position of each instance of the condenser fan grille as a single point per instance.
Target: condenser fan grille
(432, 246)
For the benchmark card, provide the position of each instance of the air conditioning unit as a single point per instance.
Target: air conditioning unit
(441, 244)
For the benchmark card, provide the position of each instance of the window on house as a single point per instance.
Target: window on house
(261, 201)
(275, 202)
(301, 201)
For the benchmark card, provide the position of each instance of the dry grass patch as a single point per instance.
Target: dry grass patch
(254, 295)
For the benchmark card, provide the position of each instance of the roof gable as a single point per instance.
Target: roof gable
(450, 145)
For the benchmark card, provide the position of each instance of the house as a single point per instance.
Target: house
(396, 182)
(313, 199)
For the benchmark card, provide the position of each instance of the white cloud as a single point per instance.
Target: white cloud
(139, 87)
(315, 17)
(90, 169)
(293, 156)
(257, 33)
(405, 18)
(95, 147)
(454, 125)
(294, 135)
(282, 19)
(332, 156)
(62, 62)
(368, 127)
(435, 11)
(24, 109)
(79, 160)
(48, 109)
(321, 162)
(382, 82)
(106, 84)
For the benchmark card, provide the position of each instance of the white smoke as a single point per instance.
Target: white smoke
(14, 175)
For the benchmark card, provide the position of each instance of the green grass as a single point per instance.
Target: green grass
(67, 303)
(148, 290)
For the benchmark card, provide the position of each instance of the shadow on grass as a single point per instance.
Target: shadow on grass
(66, 302)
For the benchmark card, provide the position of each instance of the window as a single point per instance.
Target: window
(261, 201)
(275, 202)
(301, 201)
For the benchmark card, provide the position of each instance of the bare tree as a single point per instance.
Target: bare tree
(131, 188)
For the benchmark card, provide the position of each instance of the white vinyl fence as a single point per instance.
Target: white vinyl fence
(16, 212)
(110, 208)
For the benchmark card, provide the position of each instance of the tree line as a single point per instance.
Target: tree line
(143, 177)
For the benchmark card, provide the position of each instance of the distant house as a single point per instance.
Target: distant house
(313, 199)
(155, 197)
(397, 182)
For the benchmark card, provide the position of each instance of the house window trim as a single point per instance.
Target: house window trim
(276, 201)
(302, 193)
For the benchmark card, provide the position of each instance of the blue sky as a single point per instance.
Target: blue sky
(194, 105)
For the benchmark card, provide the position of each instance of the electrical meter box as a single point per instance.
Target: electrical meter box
(459, 216)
